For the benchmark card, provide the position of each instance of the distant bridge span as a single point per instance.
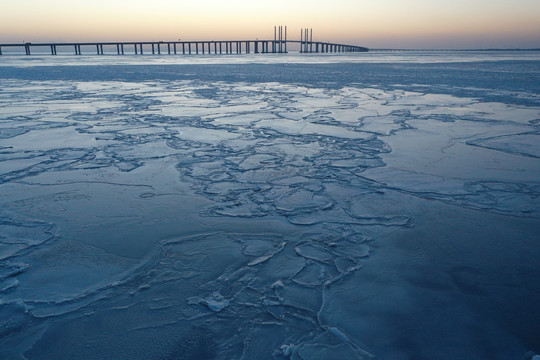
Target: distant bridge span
(278, 45)
(191, 47)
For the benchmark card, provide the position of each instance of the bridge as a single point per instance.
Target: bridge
(278, 45)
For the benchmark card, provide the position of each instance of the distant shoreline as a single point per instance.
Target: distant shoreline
(465, 50)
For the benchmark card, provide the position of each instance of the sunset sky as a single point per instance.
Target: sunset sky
(375, 24)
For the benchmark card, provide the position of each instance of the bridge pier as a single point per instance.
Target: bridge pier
(286, 39)
(53, 49)
(280, 43)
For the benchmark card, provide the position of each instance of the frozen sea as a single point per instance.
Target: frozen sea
(384, 205)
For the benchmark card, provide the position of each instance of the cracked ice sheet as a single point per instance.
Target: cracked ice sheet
(448, 168)
(184, 231)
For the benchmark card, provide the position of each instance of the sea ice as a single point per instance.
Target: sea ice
(383, 205)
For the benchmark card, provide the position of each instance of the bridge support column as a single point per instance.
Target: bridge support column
(174, 48)
(274, 42)
(168, 48)
(281, 39)
(153, 51)
(286, 39)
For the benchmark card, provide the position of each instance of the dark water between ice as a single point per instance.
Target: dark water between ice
(381, 206)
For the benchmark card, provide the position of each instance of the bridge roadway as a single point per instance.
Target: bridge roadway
(195, 47)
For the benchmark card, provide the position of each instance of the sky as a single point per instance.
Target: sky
(419, 24)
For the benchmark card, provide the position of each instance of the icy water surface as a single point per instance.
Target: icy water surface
(329, 208)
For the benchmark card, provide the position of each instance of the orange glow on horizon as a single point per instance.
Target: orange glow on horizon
(388, 23)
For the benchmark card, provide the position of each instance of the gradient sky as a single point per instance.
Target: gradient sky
(371, 23)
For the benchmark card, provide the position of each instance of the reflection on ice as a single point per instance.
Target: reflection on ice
(239, 219)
